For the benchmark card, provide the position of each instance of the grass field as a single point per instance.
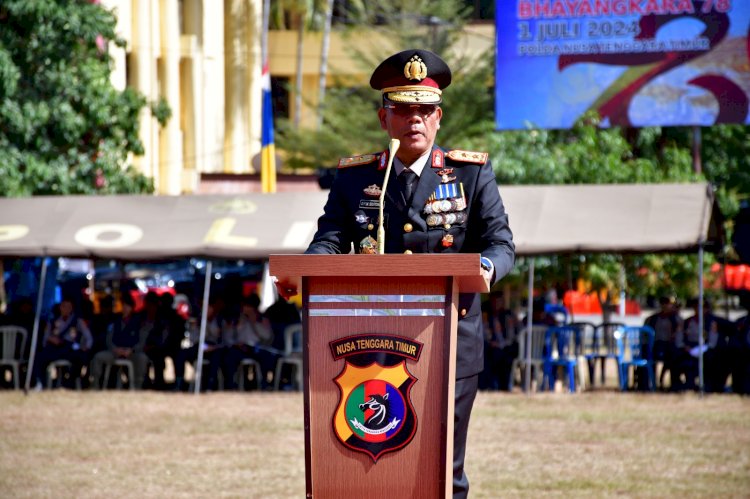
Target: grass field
(600, 444)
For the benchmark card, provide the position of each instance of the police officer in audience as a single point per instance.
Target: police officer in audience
(437, 201)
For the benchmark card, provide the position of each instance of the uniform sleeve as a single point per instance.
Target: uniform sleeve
(331, 236)
(496, 238)
(87, 339)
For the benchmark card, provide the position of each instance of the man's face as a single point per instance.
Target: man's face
(415, 126)
(66, 308)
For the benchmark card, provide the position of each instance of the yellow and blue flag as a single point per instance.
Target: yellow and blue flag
(268, 150)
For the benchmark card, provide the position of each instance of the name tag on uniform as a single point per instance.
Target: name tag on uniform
(369, 204)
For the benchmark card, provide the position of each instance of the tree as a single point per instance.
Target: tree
(64, 129)
(350, 124)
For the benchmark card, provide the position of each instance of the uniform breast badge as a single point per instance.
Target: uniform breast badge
(372, 191)
(368, 246)
(361, 218)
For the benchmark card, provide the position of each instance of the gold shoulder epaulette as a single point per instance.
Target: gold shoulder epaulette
(362, 159)
(479, 158)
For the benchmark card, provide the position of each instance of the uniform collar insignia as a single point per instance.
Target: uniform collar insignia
(357, 160)
(437, 159)
(479, 158)
(383, 160)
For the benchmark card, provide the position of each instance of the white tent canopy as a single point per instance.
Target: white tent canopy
(545, 219)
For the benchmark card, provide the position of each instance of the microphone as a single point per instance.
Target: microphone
(392, 148)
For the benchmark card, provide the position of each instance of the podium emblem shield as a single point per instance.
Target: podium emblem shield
(375, 414)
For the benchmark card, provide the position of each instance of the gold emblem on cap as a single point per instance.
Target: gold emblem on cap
(415, 69)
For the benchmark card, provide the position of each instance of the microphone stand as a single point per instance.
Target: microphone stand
(392, 148)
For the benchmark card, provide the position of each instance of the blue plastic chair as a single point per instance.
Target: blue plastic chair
(562, 348)
(635, 347)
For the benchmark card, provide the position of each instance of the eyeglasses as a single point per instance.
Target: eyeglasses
(406, 110)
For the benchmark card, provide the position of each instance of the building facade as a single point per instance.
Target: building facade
(204, 58)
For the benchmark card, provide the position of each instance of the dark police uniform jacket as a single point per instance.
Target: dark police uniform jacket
(351, 215)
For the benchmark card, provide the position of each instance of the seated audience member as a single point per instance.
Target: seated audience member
(174, 324)
(687, 343)
(101, 322)
(666, 323)
(66, 337)
(281, 315)
(157, 347)
(125, 340)
(738, 350)
(501, 346)
(249, 337)
(539, 317)
(212, 347)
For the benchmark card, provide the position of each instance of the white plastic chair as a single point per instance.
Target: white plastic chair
(292, 356)
(58, 366)
(537, 356)
(119, 363)
(9, 356)
(248, 364)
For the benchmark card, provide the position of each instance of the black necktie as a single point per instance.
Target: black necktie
(408, 183)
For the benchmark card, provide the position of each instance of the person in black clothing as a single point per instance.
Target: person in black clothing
(501, 346)
(281, 315)
(738, 350)
(125, 340)
(438, 200)
(157, 337)
(667, 324)
(101, 322)
(165, 336)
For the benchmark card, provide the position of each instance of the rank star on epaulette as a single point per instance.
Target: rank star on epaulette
(362, 159)
(479, 158)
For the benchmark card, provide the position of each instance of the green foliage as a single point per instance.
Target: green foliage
(64, 129)
(586, 154)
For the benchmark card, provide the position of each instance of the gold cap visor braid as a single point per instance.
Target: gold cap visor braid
(413, 94)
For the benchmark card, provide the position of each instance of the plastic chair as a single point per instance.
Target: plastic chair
(635, 347)
(11, 351)
(563, 348)
(537, 355)
(120, 363)
(243, 370)
(59, 366)
(292, 356)
(602, 347)
(206, 364)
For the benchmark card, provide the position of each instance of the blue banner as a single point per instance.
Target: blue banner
(635, 62)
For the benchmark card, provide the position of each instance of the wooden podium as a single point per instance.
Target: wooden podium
(379, 369)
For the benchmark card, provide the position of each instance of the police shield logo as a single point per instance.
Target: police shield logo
(375, 414)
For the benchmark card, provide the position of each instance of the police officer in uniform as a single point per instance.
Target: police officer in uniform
(436, 201)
